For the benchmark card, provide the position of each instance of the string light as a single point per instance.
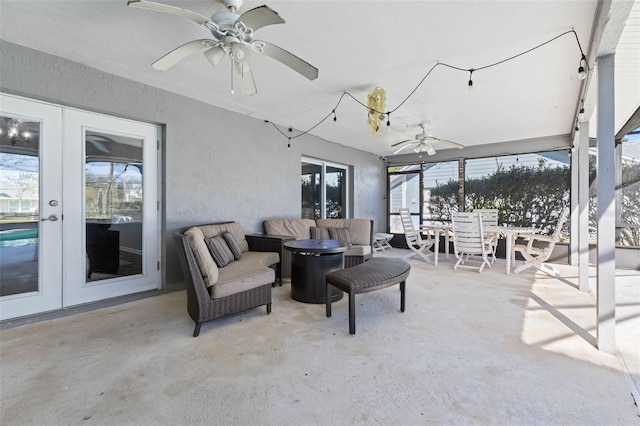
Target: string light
(581, 112)
(582, 74)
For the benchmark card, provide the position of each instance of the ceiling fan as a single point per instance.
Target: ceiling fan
(232, 35)
(424, 143)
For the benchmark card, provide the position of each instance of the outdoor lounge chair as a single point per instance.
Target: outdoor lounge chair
(469, 243)
(419, 246)
(490, 218)
(536, 249)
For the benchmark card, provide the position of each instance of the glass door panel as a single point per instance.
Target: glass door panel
(19, 199)
(404, 192)
(336, 190)
(30, 207)
(311, 190)
(114, 199)
(113, 250)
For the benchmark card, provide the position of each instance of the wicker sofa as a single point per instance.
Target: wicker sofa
(279, 231)
(213, 292)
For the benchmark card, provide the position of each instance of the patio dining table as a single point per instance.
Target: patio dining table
(438, 229)
(510, 233)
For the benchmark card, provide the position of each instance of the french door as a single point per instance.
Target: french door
(78, 207)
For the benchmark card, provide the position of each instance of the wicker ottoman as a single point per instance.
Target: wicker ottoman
(372, 275)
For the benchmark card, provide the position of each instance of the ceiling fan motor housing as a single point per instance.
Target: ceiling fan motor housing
(232, 4)
(224, 20)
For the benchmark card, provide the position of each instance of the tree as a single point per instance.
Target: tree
(523, 195)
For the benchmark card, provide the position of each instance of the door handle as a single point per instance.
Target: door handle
(52, 218)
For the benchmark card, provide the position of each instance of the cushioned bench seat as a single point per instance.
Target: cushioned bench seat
(375, 274)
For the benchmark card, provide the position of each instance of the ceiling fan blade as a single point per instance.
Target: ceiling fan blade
(259, 17)
(401, 148)
(244, 78)
(215, 54)
(289, 59)
(159, 7)
(429, 148)
(454, 144)
(401, 142)
(179, 53)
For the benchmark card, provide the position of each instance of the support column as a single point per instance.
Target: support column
(574, 223)
(583, 207)
(606, 306)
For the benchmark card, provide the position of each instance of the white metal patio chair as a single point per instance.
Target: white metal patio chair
(490, 218)
(469, 243)
(418, 244)
(536, 249)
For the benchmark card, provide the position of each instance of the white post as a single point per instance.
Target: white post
(583, 207)
(574, 203)
(606, 274)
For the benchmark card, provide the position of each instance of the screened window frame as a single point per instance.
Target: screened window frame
(323, 187)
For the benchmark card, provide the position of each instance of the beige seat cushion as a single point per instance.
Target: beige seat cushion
(358, 251)
(359, 229)
(264, 258)
(240, 276)
(205, 262)
(300, 229)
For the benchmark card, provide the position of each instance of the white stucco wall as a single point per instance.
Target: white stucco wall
(218, 165)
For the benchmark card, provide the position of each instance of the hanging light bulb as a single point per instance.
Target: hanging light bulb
(335, 117)
(582, 72)
(581, 111)
(470, 84)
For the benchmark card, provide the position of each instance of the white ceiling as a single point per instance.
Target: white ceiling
(357, 45)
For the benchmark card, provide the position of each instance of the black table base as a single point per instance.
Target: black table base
(308, 274)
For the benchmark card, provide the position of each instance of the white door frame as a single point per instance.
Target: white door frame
(49, 294)
(76, 290)
(62, 272)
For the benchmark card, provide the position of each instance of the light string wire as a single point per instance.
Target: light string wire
(437, 64)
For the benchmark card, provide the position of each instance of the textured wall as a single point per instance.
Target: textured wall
(219, 165)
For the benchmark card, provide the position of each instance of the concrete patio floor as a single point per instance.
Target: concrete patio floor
(470, 348)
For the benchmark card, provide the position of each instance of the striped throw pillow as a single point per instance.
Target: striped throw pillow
(219, 250)
(340, 234)
(233, 244)
(318, 233)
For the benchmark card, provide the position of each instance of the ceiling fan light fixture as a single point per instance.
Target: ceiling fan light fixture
(215, 55)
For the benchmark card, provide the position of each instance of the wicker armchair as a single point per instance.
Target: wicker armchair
(201, 306)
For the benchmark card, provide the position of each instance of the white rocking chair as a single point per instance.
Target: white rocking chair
(419, 246)
(536, 249)
(469, 243)
(490, 218)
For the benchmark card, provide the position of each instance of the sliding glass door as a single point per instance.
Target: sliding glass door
(324, 190)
